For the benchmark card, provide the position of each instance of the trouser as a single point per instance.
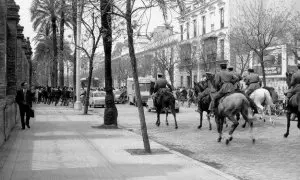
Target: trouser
(251, 102)
(249, 91)
(214, 100)
(24, 109)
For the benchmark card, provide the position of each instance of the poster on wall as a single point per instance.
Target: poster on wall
(272, 62)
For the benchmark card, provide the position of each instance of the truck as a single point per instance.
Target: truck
(144, 83)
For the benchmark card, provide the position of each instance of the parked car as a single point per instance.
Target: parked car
(97, 98)
(117, 94)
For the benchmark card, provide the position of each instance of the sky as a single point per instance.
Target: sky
(156, 17)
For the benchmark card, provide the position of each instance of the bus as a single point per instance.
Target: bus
(94, 84)
(144, 84)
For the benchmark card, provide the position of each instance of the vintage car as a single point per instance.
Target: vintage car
(97, 98)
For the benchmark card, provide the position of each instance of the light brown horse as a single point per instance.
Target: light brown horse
(228, 107)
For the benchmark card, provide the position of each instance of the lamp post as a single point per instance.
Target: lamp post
(78, 104)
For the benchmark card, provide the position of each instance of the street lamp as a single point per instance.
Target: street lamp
(78, 104)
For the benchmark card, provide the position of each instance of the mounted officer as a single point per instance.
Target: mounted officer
(224, 83)
(160, 86)
(252, 81)
(237, 76)
(295, 84)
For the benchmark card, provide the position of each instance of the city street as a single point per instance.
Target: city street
(272, 157)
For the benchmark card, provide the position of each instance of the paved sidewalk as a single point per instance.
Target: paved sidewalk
(62, 145)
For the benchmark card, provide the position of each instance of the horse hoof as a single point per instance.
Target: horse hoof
(199, 127)
(167, 124)
(264, 120)
(244, 126)
(176, 127)
(253, 141)
(227, 141)
(210, 128)
(285, 135)
(230, 139)
(219, 139)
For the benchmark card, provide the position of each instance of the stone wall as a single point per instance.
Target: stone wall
(15, 60)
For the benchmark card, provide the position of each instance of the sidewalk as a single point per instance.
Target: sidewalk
(62, 145)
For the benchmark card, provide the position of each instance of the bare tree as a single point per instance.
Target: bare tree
(166, 62)
(188, 59)
(93, 32)
(292, 36)
(258, 27)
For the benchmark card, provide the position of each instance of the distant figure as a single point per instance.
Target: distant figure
(24, 99)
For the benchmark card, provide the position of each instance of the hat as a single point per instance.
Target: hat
(250, 70)
(159, 75)
(230, 68)
(298, 65)
(223, 65)
(208, 73)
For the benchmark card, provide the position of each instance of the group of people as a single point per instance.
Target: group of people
(47, 95)
(227, 81)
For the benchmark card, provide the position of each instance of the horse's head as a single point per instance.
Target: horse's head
(289, 78)
(152, 87)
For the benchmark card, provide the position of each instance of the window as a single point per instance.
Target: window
(189, 81)
(195, 27)
(222, 17)
(222, 45)
(203, 25)
(181, 32)
(195, 78)
(212, 18)
(187, 30)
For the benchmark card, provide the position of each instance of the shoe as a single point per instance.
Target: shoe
(23, 128)
(27, 126)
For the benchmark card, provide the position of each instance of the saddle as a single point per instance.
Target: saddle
(227, 94)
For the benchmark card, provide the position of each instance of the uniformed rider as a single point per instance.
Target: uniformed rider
(160, 86)
(295, 84)
(252, 81)
(237, 76)
(224, 81)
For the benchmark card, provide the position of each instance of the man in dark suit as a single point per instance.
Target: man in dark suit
(24, 100)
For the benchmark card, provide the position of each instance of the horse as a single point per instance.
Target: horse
(229, 106)
(203, 103)
(165, 102)
(293, 106)
(262, 98)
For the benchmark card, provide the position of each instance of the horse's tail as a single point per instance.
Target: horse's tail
(269, 100)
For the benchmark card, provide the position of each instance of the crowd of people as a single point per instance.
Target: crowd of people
(49, 95)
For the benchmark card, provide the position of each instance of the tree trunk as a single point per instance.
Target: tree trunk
(74, 18)
(86, 106)
(110, 112)
(54, 38)
(61, 44)
(135, 77)
(261, 58)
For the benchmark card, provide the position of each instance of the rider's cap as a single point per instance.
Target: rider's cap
(298, 65)
(223, 65)
(230, 68)
(250, 70)
(208, 73)
(159, 74)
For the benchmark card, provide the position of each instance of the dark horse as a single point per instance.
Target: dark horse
(202, 89)
(166, 101)
(293, 106)
(228, 107)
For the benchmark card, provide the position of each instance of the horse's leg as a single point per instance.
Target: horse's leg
(268, 107)
(201, 117)
(167, 112)
(288, 117)
(233, 127)
(219, 123)
(208, 118)
(174, 115)
(298, 116)
(158, 116)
